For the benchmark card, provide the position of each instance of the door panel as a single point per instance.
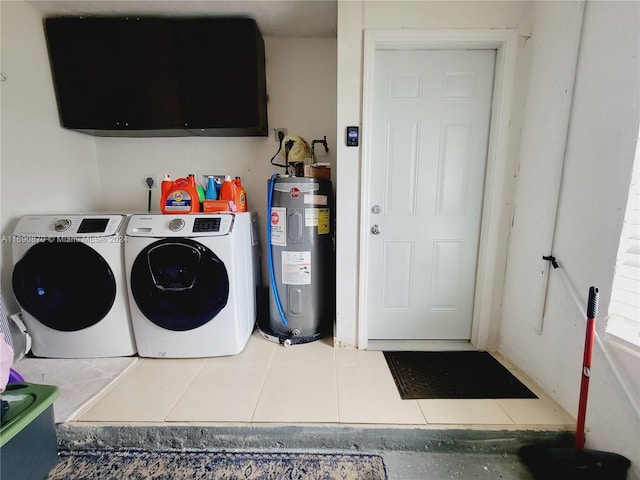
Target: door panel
(50, 283)
(179, 284)
(431, 113)
(453, 170)
(402, 167)
(397, 271)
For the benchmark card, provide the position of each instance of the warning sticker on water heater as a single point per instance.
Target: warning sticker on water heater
(296, 268)
(324, 219)
(279, 226)
(317, 217)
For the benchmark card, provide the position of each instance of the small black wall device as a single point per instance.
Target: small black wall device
(353, 136)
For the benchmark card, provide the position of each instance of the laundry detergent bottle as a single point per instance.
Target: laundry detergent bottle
(228, 189)
(240, 196)
(181, 196)
(212, 191)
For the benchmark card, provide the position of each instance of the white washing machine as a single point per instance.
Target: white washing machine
(192, 282)
(69, 280)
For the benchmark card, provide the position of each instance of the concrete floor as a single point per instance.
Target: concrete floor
(443, 466)
(408, 453)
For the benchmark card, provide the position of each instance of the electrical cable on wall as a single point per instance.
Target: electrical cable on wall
(280, 141)
(150, 183)
(296, 151)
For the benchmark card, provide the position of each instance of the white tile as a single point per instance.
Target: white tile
(267, 382)
(351, 357)
(369, 395)
(78, 380)
(464, 412)
(257, 352)
(221, 393)
(531, 411)
(313, 354)
(298, 394)
(147, 392)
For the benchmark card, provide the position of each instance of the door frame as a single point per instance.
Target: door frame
(504, 42)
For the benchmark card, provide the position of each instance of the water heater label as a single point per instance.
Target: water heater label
(317, 217)
(310, 217)
(315, 199)
(279, 226)
(324, 222)
(296, 268)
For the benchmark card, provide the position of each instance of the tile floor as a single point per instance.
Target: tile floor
(78, 380)
(310, 383)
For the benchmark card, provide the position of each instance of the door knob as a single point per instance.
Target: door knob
(376, 230)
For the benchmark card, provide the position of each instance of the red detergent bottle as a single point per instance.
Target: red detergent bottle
(180, 196)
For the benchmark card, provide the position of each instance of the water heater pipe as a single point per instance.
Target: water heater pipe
(272, 277)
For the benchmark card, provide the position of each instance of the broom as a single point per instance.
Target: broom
(577, 463)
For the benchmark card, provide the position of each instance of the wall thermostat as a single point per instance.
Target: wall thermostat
(353, 136)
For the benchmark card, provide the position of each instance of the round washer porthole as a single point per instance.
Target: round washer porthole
(179, 284)
(65, 285)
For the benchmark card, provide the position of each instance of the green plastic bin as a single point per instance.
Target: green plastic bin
(28, 448)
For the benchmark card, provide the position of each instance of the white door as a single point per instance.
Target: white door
(431, 115)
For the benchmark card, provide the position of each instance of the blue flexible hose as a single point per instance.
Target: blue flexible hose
(272, 277)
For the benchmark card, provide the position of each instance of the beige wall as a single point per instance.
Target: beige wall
(45, 169)
(600, 147)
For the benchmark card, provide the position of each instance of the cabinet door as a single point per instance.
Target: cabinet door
(87, 73)
(222, 74)
(147, 50)
(115, 76)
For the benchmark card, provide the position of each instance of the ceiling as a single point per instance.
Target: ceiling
(275, 18)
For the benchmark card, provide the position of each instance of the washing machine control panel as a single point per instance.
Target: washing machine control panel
(207, 224)
(69, 225)
(187, 225)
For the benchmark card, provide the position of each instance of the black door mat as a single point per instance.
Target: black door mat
(428, 375)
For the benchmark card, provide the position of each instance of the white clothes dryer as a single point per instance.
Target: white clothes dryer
(192, 283)
(69, 280)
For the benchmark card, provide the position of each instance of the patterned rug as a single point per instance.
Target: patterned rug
(172, 465)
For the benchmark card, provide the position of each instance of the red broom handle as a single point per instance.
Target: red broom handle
(592, 313)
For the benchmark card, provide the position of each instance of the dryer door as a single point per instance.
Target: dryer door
(179, 284)
(64, 284)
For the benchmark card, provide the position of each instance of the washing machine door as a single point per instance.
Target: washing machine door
(179, 284)
(64, 284)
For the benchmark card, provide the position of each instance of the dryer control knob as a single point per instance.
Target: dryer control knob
(176, 224)
(62, 224)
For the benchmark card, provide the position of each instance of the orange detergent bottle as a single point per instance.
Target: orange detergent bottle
(180, 196)
(228, 189)
(240, 196)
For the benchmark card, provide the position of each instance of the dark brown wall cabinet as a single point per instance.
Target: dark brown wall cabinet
(151, 77)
